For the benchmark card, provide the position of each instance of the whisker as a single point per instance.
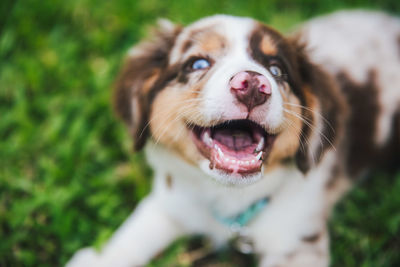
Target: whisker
(312, 127)
(168, 115)
(313, 111)
(179, 116)
(306, 139)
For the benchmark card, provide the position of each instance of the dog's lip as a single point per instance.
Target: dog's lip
(236, 146)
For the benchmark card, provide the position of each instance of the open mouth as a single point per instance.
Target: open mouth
(238, 146)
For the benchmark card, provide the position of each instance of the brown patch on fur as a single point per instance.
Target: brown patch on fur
(203, 42)
(213, 43)
(331, 114)
(362, 151)
(142, 132)
(186, 46)
(395, 138)
(191, 105)
(361, 126)
(144, 74)
(287, 142)
(312, 238)
(311, 245)
(168, 181)
(336, 171)
(389, 155)
(170, 118)
(147, 85)
(183, 77)
(308, 125)
(268, 46)
(398, 44)
(207, 40)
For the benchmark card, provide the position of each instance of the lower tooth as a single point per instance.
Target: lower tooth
(258, 157)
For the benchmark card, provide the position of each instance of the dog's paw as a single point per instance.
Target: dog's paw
(84, 258)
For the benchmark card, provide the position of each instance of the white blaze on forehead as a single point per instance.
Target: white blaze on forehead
(219, 103)
(227, 26)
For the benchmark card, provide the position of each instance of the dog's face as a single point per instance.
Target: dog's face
(226, 94)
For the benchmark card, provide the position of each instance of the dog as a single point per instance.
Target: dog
(254, 136)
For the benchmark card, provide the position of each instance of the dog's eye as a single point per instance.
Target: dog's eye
(275, 70)
(200, 64)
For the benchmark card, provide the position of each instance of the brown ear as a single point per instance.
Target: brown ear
(316, 85)
(134, 87)
(306, 73)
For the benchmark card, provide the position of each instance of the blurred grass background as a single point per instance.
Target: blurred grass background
(68, 178)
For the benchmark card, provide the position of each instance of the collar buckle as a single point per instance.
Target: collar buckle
(242, 240)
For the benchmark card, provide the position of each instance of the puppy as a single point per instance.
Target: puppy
(253, 136)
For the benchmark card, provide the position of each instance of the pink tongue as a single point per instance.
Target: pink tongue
(233, 139)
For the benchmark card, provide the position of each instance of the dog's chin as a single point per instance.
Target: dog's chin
(230, 179)
(234, 151)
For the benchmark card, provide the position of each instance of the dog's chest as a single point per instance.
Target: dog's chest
(206, 207)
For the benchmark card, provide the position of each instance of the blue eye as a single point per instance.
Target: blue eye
(275, 70)
(201, 64)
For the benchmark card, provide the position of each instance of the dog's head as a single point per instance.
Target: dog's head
(227, 94)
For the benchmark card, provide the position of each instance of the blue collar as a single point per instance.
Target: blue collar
(243, 218)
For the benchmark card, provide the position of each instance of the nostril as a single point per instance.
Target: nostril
(245, 84)
(240, 81)
(264, 85)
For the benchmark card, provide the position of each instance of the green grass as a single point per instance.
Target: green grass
(67, 174)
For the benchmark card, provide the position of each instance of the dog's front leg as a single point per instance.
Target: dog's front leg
(311, 251)
(145, 233)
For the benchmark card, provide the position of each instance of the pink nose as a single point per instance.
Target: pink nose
(250, 88)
